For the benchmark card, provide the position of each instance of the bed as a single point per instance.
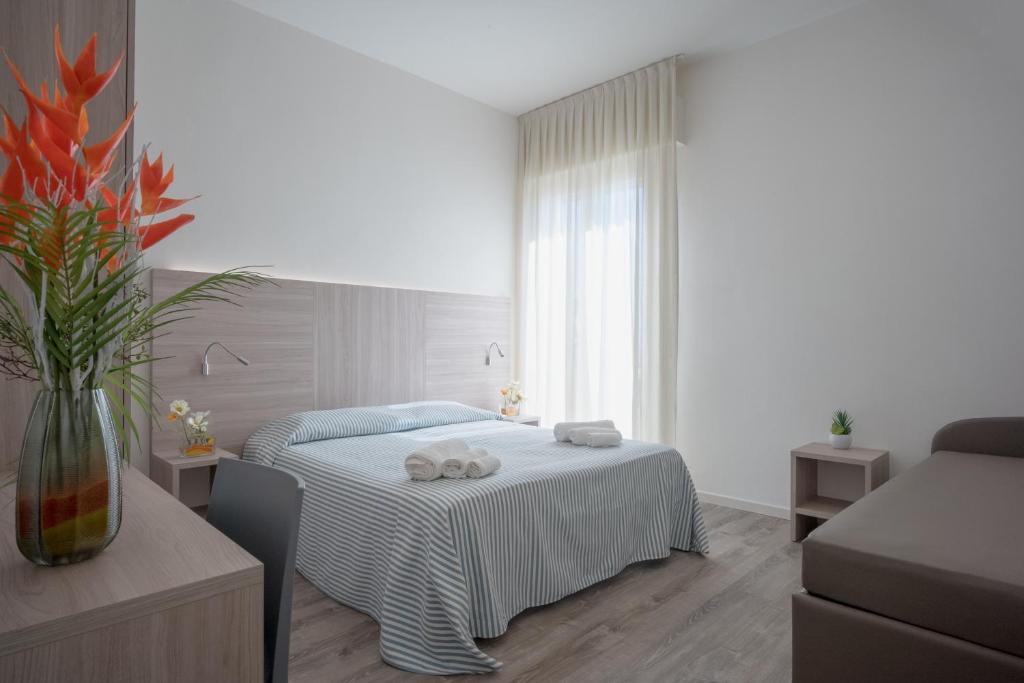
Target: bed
(440, 563)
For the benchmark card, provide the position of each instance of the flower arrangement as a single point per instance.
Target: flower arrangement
(73, 229)
(511, 397)
(195, 427)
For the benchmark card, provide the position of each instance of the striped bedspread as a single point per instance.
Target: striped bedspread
(440, 563)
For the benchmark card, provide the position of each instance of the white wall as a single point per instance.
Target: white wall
(852, 234)
(317, 160)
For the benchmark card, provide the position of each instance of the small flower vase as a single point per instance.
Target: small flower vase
(193, 447)
(510, 410)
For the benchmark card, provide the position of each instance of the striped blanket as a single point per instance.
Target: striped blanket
(440, 563)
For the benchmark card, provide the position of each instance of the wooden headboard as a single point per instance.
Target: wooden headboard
(316, 346)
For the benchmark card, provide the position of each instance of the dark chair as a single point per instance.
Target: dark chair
(258, 508)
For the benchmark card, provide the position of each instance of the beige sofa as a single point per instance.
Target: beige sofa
(923, 579)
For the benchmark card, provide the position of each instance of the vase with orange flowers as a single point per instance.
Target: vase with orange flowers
(73, 229)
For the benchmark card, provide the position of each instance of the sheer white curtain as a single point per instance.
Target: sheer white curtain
(596, 306)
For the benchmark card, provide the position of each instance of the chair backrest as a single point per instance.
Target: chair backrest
(258, 508)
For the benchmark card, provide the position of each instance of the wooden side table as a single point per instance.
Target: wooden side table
(532, 420)
(187, 479)
(808, 508)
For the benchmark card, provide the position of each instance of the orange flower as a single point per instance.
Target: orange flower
(69, 125)
(153, 182)
(58, 126)
(157, 231)
(100, 156)
(119, 209)
(43, 155)
(24, 161)
(81, 81)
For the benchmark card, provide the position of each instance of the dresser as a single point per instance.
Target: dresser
(171, 599)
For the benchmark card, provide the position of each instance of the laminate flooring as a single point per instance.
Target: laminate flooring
(722, 618)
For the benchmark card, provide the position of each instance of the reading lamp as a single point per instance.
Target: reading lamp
(206, 357)
(487, 360)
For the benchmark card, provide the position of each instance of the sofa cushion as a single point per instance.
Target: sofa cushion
(940, 546)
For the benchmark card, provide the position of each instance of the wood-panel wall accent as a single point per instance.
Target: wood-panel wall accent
(26, 33)
(369, 343)
(273, 330)
(455, 325)
(323, 345)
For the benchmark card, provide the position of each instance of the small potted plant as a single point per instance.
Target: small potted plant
(842, 430)
(195, 427)
(511, 397)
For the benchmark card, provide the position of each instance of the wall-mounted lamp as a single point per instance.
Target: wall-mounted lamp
(487, 360)
(206, 357)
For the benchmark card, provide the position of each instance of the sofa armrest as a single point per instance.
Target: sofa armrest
(989, 435)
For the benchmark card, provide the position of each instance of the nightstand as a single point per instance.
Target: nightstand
(187, 479)
(532, 420)
(864, 470)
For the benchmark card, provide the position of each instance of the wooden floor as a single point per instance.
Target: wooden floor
(722, 618)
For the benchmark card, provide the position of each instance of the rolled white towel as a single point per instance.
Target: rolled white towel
(458, 456)
(454, 466)
(423, 465)
(595, 437)
(604, 439)
(562, 429)
(427, 463)
(580, 435)
(482, 464)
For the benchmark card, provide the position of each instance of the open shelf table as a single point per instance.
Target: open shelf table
(809, 509)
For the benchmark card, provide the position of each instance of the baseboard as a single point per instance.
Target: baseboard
(745, 505)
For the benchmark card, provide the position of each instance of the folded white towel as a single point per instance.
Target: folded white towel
(604, 439)
(482, 464)
(562, 429)
(459, 455)
(595, 437)
(454, 466)
(423, 465)
(579, 435)
(427, 463)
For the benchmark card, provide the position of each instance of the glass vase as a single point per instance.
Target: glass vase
(69, 478)
(195, 447)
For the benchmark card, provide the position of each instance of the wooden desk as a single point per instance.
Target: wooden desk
(171, 599)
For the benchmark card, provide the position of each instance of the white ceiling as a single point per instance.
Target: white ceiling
(516, 55)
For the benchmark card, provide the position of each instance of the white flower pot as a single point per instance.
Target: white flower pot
(841, 441)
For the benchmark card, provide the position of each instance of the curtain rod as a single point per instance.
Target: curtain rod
(598, 85)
